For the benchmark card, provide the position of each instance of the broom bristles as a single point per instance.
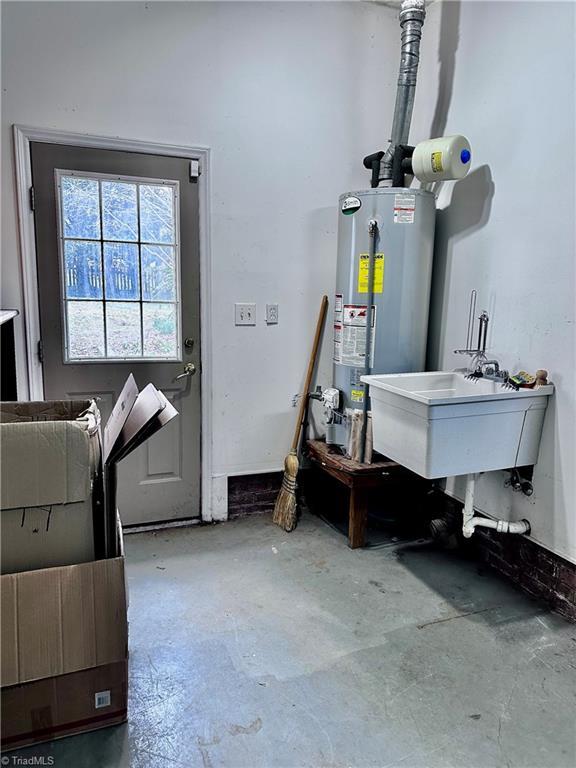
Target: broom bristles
(285, 507)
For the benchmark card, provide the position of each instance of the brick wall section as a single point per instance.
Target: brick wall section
(534, 569)
(253, 494)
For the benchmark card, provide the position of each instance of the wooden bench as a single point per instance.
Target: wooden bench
(360, 479)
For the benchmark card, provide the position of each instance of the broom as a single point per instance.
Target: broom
(285, 507)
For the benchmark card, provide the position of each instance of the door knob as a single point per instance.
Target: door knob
(189, 370)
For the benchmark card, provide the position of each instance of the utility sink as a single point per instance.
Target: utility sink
(441, 424)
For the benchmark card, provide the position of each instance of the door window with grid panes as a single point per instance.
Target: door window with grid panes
(120, 267)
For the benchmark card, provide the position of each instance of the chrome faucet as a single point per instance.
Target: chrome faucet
(477, 354)
(490, 369)
(480, 367)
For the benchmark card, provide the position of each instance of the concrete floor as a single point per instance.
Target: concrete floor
(250, 647)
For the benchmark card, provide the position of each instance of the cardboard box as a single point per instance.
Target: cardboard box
(64, 651)
(64, 705)
(52, 491)
(61, 620)
(64, 641)
(43, 537)
(58, 474)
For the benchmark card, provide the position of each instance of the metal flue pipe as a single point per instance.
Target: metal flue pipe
(412, 15)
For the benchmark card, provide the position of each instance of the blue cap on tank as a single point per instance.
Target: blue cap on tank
(465, 156)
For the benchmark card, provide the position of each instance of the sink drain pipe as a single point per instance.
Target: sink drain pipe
(469, 522)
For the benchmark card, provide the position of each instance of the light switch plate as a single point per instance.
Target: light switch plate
(245, 314)
(272, 314)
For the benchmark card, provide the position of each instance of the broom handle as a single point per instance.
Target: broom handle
(309, 372)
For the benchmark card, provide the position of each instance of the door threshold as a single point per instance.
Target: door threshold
(183, 523)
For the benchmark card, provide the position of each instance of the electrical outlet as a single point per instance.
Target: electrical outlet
(245, 314)
(272, 314)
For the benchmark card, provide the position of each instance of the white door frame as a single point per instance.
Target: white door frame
(23, 136)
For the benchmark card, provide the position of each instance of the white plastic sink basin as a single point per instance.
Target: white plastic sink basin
(441, 424)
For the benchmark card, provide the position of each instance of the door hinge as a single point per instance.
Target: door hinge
(40, 351)
(195, 169)
(32, 199)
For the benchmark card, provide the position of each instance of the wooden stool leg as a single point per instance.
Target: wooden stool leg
(357, 516)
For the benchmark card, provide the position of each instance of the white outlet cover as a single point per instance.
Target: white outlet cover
(272, 314)
(244, 314)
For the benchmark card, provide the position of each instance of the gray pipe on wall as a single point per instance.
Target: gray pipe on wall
(412, 15)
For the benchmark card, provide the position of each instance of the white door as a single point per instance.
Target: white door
(119, 291)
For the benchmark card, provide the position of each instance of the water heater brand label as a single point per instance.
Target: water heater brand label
(404, 207)
(351, 205)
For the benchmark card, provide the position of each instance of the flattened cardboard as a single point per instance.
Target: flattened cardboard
(59, 620)
(122, 408)
(44, 463)
(64, 705)
(131, 434)
(167, 413)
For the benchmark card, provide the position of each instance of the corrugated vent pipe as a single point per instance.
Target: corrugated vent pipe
(412, 15)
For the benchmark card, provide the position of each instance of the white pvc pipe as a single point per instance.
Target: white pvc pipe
(501, 526)
(468, 511)
(469, 522)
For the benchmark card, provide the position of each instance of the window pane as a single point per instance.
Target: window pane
(85, 329)
(82, 269)
(156, 214)
(80, 207)
(123, 329)
(122, 278)
(158, 273)
(119, 211)
(159, 330)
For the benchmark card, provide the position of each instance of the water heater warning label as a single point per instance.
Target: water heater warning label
(350, 335)
(404, 207)
(337, 342)
(338, 304)
(377, 275)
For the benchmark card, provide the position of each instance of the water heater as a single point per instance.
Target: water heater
(385, 250)
(401, 272)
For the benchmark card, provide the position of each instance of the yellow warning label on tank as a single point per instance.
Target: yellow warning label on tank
(436, 159)
(357, 395)
(378, 274)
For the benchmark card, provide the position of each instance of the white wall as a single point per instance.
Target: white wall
(279, 92)
(503, 74)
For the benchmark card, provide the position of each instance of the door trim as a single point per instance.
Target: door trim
(23, 136)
